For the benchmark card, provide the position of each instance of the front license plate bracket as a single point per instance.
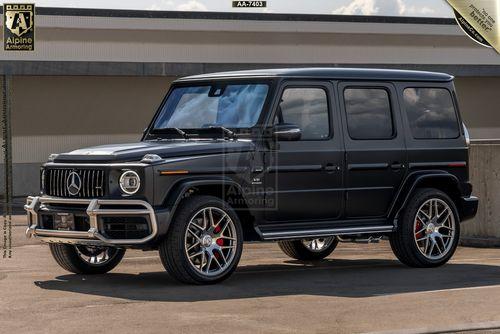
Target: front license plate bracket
(64, 221)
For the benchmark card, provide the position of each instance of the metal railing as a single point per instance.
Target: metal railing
(93, 210)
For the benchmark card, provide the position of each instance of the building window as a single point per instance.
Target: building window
(308, 109)
(431, 113)
(369, 113)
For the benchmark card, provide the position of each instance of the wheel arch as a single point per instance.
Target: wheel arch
(226, 189)
(441, 180)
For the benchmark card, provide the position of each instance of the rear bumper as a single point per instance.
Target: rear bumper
(468, 207)
(93, 208)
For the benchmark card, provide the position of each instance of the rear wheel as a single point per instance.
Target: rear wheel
(429, 230)
(86, 259)
(309, 249)
(204, 243)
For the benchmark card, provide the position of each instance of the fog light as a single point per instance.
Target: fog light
(130, 182)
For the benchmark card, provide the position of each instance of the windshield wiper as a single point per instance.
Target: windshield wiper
(231, 134)
(182, 133)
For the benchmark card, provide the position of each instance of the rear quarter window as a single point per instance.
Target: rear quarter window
(431, 113)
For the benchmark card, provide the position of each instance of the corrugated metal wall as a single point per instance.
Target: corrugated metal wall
(52, 114)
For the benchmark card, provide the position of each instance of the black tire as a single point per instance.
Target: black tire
(172, 249)
(403, 241)
(297, 250)
(68, 258)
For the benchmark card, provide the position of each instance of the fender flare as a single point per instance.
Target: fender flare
(176, 193)
(408, 187)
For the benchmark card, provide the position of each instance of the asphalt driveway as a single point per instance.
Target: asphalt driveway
(360, 288)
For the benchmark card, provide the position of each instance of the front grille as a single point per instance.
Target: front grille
(88, 184)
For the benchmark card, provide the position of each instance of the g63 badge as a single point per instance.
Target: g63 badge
(19, 27)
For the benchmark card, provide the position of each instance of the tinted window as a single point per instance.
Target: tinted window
(368, 113)
(431, 113)
(308, 109)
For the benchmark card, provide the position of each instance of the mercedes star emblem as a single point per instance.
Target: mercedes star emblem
(73, 183)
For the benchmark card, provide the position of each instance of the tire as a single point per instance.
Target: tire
(73, 258)
(425, 253)
(196, 256)
(297, 249)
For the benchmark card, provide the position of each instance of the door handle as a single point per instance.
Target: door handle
(331, 168)
(258, 169)
(397, 165)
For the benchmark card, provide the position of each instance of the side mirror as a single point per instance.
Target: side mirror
(286, 132)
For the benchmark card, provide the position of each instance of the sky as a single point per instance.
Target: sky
(421, 8)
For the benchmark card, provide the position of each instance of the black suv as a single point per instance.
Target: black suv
(306, 157)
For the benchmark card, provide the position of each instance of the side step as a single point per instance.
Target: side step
(370, 240)
(315, 233)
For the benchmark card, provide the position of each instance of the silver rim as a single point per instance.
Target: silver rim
(434, 229)
(96, 256)
(210, 241)
(318, 245)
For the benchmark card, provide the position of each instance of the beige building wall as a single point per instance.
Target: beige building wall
(129, 39)
(479, 99)
(60, 113)
(104, 76)
(52, 114)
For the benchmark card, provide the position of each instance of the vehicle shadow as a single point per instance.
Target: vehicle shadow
(342, 278)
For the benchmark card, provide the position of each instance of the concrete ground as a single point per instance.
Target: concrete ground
(360, 288)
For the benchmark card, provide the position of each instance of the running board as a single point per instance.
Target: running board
(302, 234)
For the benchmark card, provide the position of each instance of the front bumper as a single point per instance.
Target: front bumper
(93, 208)
(468, 207)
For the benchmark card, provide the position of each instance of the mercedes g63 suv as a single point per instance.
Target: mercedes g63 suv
(305, 157)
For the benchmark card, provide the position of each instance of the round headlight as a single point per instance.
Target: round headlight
(130, 182)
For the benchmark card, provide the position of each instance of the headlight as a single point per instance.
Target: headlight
(130, 182)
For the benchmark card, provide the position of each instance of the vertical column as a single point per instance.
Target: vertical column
(7, 164)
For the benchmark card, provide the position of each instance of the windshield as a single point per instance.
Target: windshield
(230, 106)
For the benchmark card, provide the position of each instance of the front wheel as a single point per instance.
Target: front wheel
(429, 230)
(204, 243)
(309, 249)
(86, 259)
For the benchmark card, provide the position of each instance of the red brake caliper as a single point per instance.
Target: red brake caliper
(219, 241)
(418, 227)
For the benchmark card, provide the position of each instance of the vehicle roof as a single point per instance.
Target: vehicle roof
(328, 73)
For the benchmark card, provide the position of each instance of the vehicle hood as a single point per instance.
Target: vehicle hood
(165, 149)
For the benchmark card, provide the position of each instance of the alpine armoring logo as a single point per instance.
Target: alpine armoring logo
(19, 27)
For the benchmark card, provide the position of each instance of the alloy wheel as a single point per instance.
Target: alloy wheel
(434, 229)
(94, 255)
(319, 244)
(210, 241)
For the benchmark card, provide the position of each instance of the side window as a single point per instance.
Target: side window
(431, 113)
(369, 113)
(308, 109)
